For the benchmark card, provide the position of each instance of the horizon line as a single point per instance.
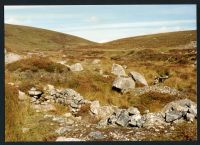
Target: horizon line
(101, 42)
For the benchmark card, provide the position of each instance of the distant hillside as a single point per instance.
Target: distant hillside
(23, 38)
(171, 39)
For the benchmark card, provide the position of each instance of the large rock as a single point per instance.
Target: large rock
(136, 121)
(76, 67)
(123, 118)
(123, 84)
(176, 110)
(179, 105)
(118, 70)
(12, 57)
(138, 78)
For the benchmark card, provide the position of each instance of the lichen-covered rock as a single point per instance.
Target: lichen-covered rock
(118, 70)
(136, 120)
(184, 108)
(123, 118)
(138, 78)
(153, 119)
(105, 111)
(173, 115)
(123, 84)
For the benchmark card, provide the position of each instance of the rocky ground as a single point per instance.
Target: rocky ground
(104, 94)
(110, 123)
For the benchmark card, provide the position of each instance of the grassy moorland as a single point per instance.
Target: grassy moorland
(26, 39)
(150, 55)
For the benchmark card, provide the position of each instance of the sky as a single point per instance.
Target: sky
(103, 23)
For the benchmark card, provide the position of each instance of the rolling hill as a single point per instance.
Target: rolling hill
(23, 38)
(171, 39)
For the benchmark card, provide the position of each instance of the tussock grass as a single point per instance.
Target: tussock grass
(15, 113)
(36, 63)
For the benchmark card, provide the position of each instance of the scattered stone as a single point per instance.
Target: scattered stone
(123, 84)
(67, 115)
(118, 70)
(96, 61)
(25, 130)
(172, 128)
(22, 96)
(50, 87)
(76, 67)
(190, 117)
(94, 107)
(138, 78)
(112, 119)
(172, 115)
(153, 119)
(61, 138)
(48, 116)
(96, 135)
(35, 93)
(136, 121)
(62, 130)
(12, 84)
(146, 111)
(105, 111)
(11, 57)
(133, 111)
(106, 76)
(102, 123)
(63, 62)
(45, 108)
(33, 99)
(58, 119)
(125, 66)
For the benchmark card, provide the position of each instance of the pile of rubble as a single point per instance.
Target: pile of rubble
(175, 111)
